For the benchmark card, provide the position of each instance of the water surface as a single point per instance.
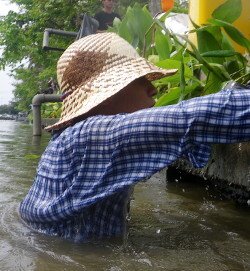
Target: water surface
(178, 226)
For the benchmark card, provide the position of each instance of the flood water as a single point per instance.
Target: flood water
(177, 226)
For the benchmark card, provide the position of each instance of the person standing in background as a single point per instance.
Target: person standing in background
(107, 15)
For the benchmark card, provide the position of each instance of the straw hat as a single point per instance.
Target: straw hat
(95, 68)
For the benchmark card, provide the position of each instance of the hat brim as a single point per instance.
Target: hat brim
(104, 86)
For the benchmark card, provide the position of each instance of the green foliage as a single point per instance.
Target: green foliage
(232, 32)
(122, 5)
(8, 109)
(214, 56)
(51, 110)
(180, 6)
(21, 37)
(133, 27)
(225, 12)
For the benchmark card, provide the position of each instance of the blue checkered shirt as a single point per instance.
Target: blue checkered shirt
(83, 180)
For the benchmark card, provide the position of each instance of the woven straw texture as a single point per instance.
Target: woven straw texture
(95, 68)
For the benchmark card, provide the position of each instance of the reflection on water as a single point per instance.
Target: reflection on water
(182, 226)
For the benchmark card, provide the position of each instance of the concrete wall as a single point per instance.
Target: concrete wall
(228, 169)
(48, 122)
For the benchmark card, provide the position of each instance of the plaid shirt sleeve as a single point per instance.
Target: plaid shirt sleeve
(83, 180)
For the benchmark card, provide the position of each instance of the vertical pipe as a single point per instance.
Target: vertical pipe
(36, 103)
(37, 123)
(46, 38)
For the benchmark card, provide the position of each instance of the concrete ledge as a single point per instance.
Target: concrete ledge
(48, 122)
(228, 169)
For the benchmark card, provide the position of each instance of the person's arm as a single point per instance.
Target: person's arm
(186, 129)
(223, 117)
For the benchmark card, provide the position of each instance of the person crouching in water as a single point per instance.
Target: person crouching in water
(109, 137)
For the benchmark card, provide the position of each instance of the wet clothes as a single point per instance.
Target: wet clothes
(105, 19)
(83, 179)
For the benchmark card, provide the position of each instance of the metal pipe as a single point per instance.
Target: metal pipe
(61, 32)
(46, 38)
(36, 104)
(49, 31)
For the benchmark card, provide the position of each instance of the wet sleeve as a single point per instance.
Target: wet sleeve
(186, 129)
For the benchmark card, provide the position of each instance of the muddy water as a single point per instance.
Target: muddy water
(179, 226)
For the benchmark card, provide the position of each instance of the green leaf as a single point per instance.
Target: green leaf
(233, 33)
(177, 55)
(169, 98)
(229, 11)
(135, 41)
(169, 64)
(220, 53)
(174, 64)
(55, 107)
(210, 44)
(116, 25)
(174, 94)
(221, 70)
(182, 80)
(214, 30)
(140, 23)
(162, 45)
(238, 37)
(193, 23)
(195, 52)
(153, 58)
(123, 29)
(226, 43)
(233, 68)
(213, 85)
